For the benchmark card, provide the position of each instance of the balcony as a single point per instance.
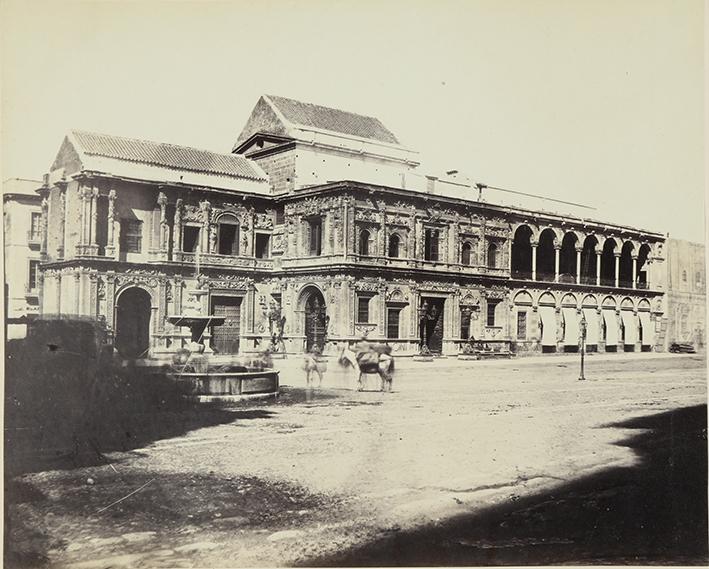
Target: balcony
(31, 291)
(34, 239)
(213, 259)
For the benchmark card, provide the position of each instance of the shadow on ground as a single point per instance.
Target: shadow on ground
(652, 513)
(89, 520)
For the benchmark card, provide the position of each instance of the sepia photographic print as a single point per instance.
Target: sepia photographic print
(353, 284)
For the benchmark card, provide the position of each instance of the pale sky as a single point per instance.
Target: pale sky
(598, 102)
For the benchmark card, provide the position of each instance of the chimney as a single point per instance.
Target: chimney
(431, 184)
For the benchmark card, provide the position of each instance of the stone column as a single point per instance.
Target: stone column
(534, 260)
(111, 225)
(58, 282)
(77, 292)
(177, 227)
(45, 226)
(635, 270)
(85, 220)
(62, 221)
(557, 250)
(617, 268)
(578, 265)
(345, 229)
(325, 245)
(598, 267)
(93, 295)
(382, 246)
(94, 221)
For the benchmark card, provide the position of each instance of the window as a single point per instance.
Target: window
(431, 245)
(393, 322)
(32, 280)
(364, 239)
(131, 235)
(492, 256)
(684, 276)
(394, 244)
(466, 253)
(263, 242)
(36, 226)
(190, 238)
(491, 306)
(465, 323)
(522, 325)
(227, 236)
(315, 235)
(280, 217)
(363, 309)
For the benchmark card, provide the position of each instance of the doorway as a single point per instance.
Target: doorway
(133, 323)
(225, 337)
(315, 321)
(431, 323)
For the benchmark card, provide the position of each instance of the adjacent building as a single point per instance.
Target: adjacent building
(686, 292)
(324, 218)
(22, 227)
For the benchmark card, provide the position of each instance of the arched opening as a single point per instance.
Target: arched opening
(567, 259)
(589, 260)
(316, 319)
(228, 235)
(570, 323)
(546, 256)
(625, 267)
(521, 262)
(610, 329)
(394, 246)
(589, 308)
(364, 241)
(608, 263)
(466, 254)
(133, 323)
(492, 256)
(547, 322)
(643, 258)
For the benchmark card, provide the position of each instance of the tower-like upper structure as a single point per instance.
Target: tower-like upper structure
(301, 144)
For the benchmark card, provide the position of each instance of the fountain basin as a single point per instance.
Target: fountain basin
(218, 386)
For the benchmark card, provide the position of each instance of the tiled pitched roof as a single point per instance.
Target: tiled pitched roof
(165, 155)
(334, 120)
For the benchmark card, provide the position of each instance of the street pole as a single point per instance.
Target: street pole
(583, 343)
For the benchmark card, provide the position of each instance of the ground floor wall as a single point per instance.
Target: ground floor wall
(686, 318)
(328, 310)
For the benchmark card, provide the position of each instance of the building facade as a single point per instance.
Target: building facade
(686, 293)
(320, 217)
(22, 229)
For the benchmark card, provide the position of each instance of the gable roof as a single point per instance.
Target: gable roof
(280, 115)
(166, 155)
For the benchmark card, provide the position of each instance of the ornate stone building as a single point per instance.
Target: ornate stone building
(321, 216)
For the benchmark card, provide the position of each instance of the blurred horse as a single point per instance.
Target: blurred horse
(369, 358)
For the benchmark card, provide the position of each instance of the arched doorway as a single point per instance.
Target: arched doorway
(316, 320)
(133, 323)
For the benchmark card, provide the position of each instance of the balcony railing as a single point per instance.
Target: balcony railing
(34, 238)
(223, 260)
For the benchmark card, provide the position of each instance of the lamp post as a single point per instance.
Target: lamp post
(582, 342)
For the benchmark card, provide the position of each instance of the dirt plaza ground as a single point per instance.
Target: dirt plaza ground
(479, 463)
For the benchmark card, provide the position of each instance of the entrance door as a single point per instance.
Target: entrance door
(432, 323)
(315, 321)
(133, 323)
(225, 337)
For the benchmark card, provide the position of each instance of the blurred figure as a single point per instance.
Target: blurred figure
(313, 365)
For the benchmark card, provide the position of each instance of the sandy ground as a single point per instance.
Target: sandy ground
(326, 470)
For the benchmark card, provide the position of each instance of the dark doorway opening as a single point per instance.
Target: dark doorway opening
(133, 323)
(431, 323)
(225, 337)
(315, 321)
